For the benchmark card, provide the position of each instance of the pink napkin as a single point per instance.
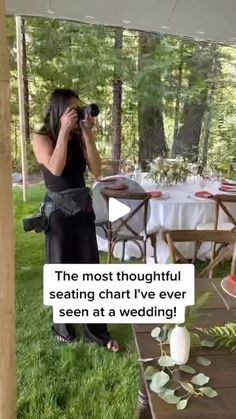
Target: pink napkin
(227, 188)
(155, 194)
(203, 194)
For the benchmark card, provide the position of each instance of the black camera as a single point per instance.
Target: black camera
(36, 222)
(91, 109)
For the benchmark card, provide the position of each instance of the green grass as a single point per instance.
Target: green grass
(59, 382)
(56, 381)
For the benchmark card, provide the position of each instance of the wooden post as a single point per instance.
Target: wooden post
(7, 262)
(22, 112)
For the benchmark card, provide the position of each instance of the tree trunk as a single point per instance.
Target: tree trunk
(7, 259)
(187, 141)
(209, 112)
(117, 101)
(151, 126)
(178, 91)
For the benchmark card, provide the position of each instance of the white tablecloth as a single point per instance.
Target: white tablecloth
(181, 210)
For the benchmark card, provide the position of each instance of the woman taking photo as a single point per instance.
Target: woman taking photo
(64, 147)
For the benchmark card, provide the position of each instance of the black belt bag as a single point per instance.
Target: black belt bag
(70, 201)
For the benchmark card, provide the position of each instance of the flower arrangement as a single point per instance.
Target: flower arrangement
(169, 171)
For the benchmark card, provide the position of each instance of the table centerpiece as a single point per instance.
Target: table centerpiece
(169, 171)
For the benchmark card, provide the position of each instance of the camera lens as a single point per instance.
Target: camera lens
(92, 109)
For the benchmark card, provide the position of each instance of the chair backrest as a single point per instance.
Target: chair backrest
(177, 236)
(221, 203)
(140, 202)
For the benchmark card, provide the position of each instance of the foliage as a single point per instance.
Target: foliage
(169, 171)
(83, 57)
(168, 382)
(222, 336)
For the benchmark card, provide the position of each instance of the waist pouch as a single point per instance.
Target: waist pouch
(70, 201)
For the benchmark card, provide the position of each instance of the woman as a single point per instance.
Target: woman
(64, 147)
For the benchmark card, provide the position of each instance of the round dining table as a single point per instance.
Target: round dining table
(176, 208)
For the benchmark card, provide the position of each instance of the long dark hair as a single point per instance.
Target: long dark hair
(58, 103)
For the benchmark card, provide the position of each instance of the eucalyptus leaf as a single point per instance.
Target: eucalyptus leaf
(169, 392)
(156, 332)
(205, 362)
(208, 391)
(207, 343)
(166, 392)
(172, 399)
(200, 379)
(187, 368)
(158, 381)
(149, 372)
(187, 386)
(182, 404)
(166, 361)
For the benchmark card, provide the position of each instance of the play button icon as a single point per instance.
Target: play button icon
(117, 209)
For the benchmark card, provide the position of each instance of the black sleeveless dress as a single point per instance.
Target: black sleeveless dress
(71, 239)
(73, 173)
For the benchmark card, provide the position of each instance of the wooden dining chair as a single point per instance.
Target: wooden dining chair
(221, 204)
(125, 229)
(226, 238)
(222, 201)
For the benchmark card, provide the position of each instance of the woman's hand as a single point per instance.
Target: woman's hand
(87, 127)
(69, 120)
(90, 150)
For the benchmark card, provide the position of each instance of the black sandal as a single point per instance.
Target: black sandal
(103, 339)
(62, 339)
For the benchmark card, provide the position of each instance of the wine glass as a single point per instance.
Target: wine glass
(202, 182)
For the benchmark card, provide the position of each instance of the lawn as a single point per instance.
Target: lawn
(55, 381)
(80, 381)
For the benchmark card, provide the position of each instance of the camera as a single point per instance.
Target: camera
(36, 222)
(91, 109)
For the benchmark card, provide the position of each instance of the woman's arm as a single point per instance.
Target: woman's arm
(54, 159)
(90, 150)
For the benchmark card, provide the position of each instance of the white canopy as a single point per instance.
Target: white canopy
(202, 19)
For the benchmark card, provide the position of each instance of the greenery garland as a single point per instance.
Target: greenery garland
(222, 336)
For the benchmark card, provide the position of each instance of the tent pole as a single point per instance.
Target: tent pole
(7, 262)
(22, 112)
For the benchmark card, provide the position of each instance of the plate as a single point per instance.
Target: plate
(163, 196)
(229, 182)
(199, 198)
(228, 189)
(224, 288)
